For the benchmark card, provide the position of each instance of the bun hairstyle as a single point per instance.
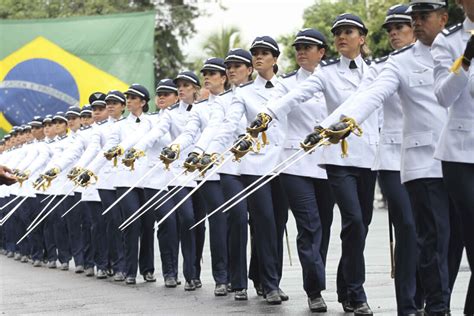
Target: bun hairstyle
(146, 107)
(275, 69)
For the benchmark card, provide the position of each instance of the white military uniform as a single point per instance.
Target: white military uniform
(206, 142)
(410, 72)
(249, 100)
(172, 121)
(456, 143)
(337, 82)
(60, 185)
(301, 120)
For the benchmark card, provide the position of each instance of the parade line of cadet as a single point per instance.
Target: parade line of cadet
(93, 183)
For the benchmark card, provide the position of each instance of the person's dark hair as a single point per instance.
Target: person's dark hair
(275, 69)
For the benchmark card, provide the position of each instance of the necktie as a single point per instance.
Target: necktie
(352, 65)
(137, 120)
(269, 84)
(190, 106)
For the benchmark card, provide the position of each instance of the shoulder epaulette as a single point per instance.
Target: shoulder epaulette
(174, 106)
(379, 60)
(329, 62)
(83, 128)
(246, 84)
(123, 118)
(452, 29)
(62, 137)
(102, 122)
(30, 142)
(50, 141)
(368, 61)
(202, 101)
(153, 113)
(290, 74)
(401, 50)
(226, 91)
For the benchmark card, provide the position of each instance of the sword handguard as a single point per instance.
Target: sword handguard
(22, 176)
(74, 173)
(207, 161)
(114, 153)
(334, 136)
(50, 175)
(237, 151)
(130, 156)
(191, 163)
(260, 125)
(169, 160)
(84, 179)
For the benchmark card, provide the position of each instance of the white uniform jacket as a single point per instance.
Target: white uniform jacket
(172, 122)
(337, 82)
(249, 100)
(389, 149)
(410, 72)
(206, 142)
(61, 185)
(457, 138)
(198, 121)
(301, 121)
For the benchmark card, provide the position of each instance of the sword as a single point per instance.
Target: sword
(288, 246)
(4, 219)
(46, 215)
(245, 190)
(168, 196)
(42, 211)
(152, 198)
(130, 189)
(192, 191)
(46, 198)
(72, 207)
(13, 200)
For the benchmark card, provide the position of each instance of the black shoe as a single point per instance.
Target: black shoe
(362, 309)
(170, 282)
(189, 286)
(197, 283)
(229, 288)
(220, 290)
(79, 269)
(149, 277)
(283, 296)
(130, 280)
(317, 305)
(273, 297)
(347, 307)
(110, 272)
(89, 272)
(258, 289)
(241, 295)
(119, 277)
(101, 274)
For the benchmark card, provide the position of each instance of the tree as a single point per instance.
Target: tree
(321, 16)
(219, 43)
(174, 21)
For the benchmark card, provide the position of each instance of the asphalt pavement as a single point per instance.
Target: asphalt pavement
(28, 290)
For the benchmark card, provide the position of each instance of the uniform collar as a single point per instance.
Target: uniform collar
(358, 60)
(303, 73)
(260, 81)
(183, 106)
(212, 97)
(133, 117)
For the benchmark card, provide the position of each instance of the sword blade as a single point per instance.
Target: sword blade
(152, 198)
(246, 189)
(6, 217)
(192, 191)
(46, 215)
(169, 195)
(14, 199)
(71, 208)
(270, 178)
(42, 211)
(46, 198)
(130, 189)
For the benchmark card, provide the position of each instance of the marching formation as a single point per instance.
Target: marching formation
(93, 184)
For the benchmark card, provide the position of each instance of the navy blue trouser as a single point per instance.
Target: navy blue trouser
(459, 180)
(199, 208)
(167, 235)
(73, 222)
(10, 227)
(87, 208)
(254, 270)
(61, 233)
(3, 201)
(431, 207)
(48, 230)
(237, 223)
(37, 235)
(303, 195)
(185, 216)
(98, 235)
(114, 237)
(141, 230)
(353, 190)
(269, 211)
(213, 196)
(24, 214)
(407, 289)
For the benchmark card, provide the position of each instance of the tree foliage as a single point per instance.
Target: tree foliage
(220, 42)
(174, 21)
(322, 14)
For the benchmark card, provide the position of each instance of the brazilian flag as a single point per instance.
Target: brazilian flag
(48, 65)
